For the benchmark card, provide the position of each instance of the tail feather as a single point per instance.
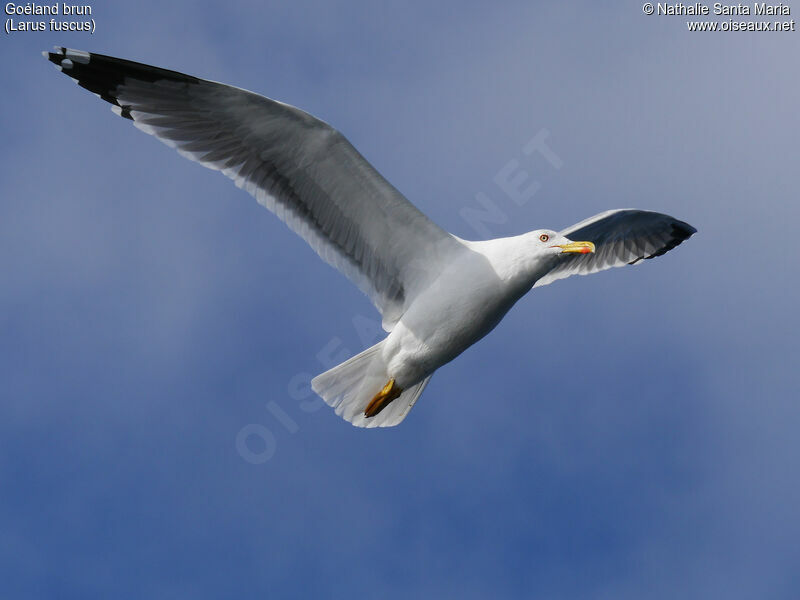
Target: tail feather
(349, 386)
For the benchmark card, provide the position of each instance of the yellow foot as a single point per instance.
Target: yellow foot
(382, 399)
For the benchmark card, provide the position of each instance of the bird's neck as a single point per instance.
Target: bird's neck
(517, 260)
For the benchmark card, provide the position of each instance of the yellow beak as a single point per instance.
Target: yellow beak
(577, 247)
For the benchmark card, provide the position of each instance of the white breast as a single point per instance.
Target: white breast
(460, 307)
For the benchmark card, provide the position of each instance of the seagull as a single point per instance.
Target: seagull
(437, 294)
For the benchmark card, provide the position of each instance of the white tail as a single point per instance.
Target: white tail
(350, 386)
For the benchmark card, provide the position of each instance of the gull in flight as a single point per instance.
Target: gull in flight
(437, 294)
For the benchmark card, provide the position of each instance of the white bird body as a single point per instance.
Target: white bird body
(471, 294)
(469, 298)
(437, 294)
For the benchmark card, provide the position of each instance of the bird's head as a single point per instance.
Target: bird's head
(553, 244)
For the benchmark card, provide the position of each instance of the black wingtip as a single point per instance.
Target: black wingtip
(680, 232)
(84, 69)
(683, 229)
(102, 75)
(55, 57)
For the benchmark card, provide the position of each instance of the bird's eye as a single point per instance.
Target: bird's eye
(544, 237)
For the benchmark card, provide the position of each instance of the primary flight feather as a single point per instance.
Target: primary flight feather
(437, 294)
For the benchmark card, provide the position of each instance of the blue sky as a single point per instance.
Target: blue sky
(149, 311)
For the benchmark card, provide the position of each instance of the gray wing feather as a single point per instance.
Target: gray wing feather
(297, 166)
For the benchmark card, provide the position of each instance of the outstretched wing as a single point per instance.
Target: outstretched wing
(621, 237)
(295, 165)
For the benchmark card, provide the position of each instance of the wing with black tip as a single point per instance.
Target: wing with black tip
(295, 165)
(621, 237)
